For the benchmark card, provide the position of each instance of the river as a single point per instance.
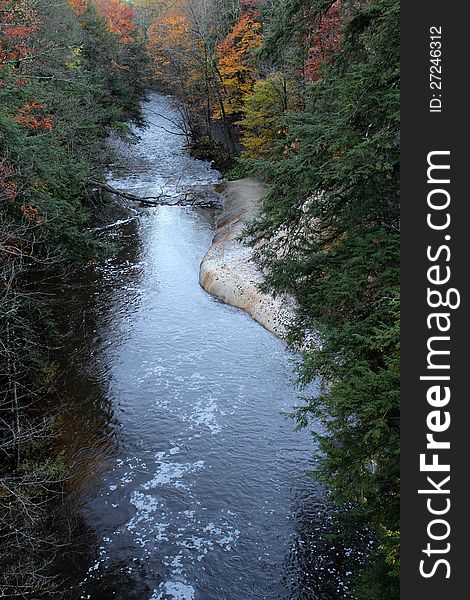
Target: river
(190, 483)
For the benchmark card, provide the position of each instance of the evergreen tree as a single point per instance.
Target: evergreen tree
(331, 221)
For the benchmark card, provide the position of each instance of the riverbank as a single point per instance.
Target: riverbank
(228, 270)
(177, 394)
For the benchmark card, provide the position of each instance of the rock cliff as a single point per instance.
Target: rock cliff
(227, 270)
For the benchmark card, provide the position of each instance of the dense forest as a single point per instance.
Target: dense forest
(69, 74)
(303, 94)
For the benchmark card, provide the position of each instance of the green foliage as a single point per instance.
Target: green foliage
(84, 90)
(77, 83)
(56, 111)
(380, 581)
(118, 70)
(331, 223)
(288, 23)
(329, 228)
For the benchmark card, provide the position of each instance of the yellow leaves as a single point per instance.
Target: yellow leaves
(263, 109)
(79, 6)
(50, 372)
(171, 45)
(75, 58)
(216, 79)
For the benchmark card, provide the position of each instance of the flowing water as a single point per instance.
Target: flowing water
(191, 482)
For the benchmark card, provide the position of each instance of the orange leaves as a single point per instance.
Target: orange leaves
(21, 82)
(244, 37)
(120, 15)
(171, 45)
(18, 23)
(235, 60)
(30, 213)
(79, 6)
(31, 116)
(9, 191)
(210, 74)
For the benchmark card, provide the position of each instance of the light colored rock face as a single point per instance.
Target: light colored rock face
(228, 271)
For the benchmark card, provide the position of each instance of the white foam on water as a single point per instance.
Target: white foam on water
(170, 473)
(174, 590)
(225, 540)
(175, 563)
(144, 502)
(115, 224)
(204, 414)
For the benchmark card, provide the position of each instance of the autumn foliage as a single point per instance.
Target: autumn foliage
(79, 6)
(270, 100)
(214, 65)
(71, 72)
(236, 66)
(322, 41)
(8, 183)
(18, 23)
(171, 46)
(45, 106)
(119, 15)
(31, 116)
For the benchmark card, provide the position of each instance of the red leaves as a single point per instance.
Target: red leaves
(8, 185)
(21, 82)
(120, 17)
(323, 41)
(15, 33)
(18, 24)
(118, 13)
(31, 116)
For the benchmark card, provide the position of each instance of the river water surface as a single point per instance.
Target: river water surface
(191, 482)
